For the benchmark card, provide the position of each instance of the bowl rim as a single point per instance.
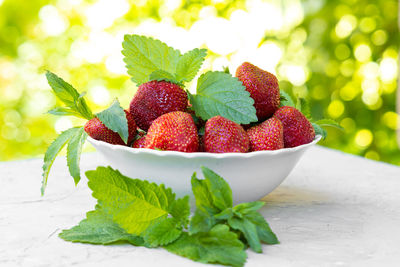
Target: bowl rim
(147, 151)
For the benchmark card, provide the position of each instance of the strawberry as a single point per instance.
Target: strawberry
(140, 140)
(97, 130)
(222, 135)
(297, 130)
(173, 131)
(266, 136)
(263, 88)
(154, 99)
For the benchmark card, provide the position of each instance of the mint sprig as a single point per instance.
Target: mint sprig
(113, 118)
(146, 214)
(75, 102)
(218, 93)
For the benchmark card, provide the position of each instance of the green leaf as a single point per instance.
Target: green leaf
(202, 195)
(74, 151)
(264, 231)
(180, 209)
(219, 93)
(162, 232)
(189, 64)
(161, 75)
(99, 228)
(63, 90)
(144, 55)
(52, 152)
(219, 189)
(303, 106)
(114, 118)
(319, 130)
(247, 207)
(201, 221)
(329, 122)
(136, 204)
(249, 230)
(70, 96)
(63, 111)
(286, 99)
(225, 214)
(219, 245)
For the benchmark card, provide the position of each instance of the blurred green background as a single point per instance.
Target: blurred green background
(340, 55)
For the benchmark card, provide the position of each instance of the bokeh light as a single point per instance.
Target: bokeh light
(342, 56)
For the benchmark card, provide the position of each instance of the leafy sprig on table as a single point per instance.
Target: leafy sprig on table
(150, 215)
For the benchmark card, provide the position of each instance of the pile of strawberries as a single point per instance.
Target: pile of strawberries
(162, 112)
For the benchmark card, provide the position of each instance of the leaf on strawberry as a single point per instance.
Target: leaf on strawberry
(114, 118)
(74, 150)
(75, 102)
(286, 99)
(144, 55)
(329, 122)
(219, 245)
(99, 228)
(319, 130)
(219, 93)
(303, 106)
(137, 204)
(161, 75)
(52, 152)
(189, 64)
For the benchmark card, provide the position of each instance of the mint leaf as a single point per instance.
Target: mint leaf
(180, 209)
(52, 152)
(136, 204)
(303, 106)
(63, 111)
(74, 150)
(264, 231)
(69, 95)
(286, 99)
(219, 245)
(189, 64)
(219, 93)
(329, 122)
(247, 207)
(114, 118)
(202, 195)
(201, 221)
(219, 189)
(161, 75)
(144, 55)
(249, 230)
(99, 228)
(162, 232)
(319, 130)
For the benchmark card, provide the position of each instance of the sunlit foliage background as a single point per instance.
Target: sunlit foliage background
(341, 55)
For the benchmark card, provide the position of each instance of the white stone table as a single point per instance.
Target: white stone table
(334, 209)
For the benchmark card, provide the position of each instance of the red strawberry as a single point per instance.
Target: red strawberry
(297, 130)
(140, 141)
(173, 131)
(154, 99)
(97, 130)
(263, 88)
(222, 136)
(266, 136)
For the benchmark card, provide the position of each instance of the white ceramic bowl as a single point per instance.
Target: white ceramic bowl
(250, 175)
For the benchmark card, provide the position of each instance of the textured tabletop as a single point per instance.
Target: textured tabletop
(334, 209)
